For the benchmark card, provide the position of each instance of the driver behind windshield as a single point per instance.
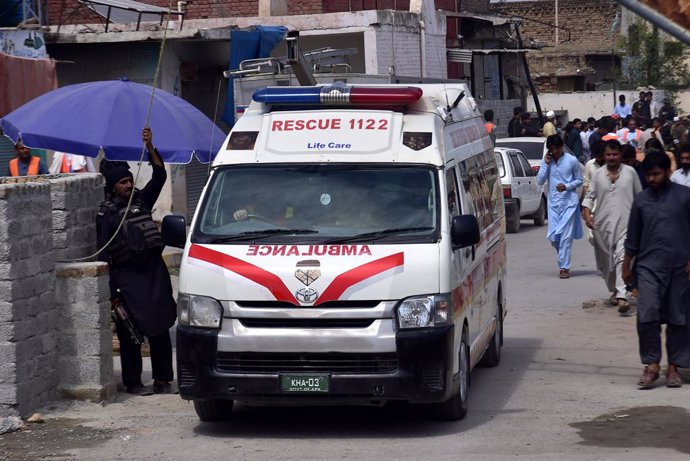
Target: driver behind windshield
(265, 205)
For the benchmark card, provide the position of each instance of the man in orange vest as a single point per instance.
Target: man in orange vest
(26, 164)
(490, 127)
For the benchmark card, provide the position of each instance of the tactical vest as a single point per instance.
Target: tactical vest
(138, 235)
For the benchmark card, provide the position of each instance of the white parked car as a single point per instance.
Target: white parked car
(522, 195)
(533, 148)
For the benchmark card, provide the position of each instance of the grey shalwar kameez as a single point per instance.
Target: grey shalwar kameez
(659, 239)
(613, 202)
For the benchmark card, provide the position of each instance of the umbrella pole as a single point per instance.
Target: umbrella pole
(143, 149)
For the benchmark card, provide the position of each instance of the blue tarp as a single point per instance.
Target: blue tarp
(252, 44)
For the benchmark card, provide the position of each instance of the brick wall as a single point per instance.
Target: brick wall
(588, 21)
(75, 201)
(28, 335)
(477, 6)
(85, 363)
(54, 329)
(59, 11)
(401, 49)
(503, 112)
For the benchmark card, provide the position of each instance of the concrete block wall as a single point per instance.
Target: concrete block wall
(85, 365)
(503, 112)
(75, 201)
(28, 333)
(54, 320)
(400, 48)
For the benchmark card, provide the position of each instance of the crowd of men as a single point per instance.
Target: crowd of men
(635, 203)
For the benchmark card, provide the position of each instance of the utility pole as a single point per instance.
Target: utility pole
(533, 89)
(614, 25)
(556, 20)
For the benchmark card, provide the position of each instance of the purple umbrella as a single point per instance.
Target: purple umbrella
(83, 118)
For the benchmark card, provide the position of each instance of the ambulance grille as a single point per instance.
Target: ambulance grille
(327, 305)
(231, 362)
(306, 323)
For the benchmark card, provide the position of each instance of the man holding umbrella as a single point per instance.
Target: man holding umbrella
(139, 279)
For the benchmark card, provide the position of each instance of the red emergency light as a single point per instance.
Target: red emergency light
(339, 94)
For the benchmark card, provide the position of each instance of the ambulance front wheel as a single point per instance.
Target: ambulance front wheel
(213, 409)
(455, 408)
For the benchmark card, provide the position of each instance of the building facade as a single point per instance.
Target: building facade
(411, 38)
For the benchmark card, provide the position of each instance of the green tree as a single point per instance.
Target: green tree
(649, 61)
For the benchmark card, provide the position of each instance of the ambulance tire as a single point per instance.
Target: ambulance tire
(213, 409)
(513, 220)
(492, 355)
(455, 408)
(540, 215)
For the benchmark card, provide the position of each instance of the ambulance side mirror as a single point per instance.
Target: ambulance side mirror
(174, 231)
(464, 231)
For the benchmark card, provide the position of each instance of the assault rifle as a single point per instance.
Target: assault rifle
(120, 311)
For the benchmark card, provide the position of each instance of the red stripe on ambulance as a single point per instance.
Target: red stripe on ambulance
(247, 270)
(359, 274)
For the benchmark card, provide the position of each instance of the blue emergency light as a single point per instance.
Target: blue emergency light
(338, 93)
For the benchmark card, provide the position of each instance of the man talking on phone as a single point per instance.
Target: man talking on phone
(562, 171)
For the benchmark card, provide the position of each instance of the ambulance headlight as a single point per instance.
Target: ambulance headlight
(198, 311)
(425, 311)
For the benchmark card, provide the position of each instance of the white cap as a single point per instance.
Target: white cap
(550, 114)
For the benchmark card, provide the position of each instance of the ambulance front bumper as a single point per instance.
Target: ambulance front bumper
(419, 371)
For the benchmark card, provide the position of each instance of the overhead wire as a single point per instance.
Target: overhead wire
(143, 149)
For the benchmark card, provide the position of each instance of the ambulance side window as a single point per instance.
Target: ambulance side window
(452, 193)
(467, 204)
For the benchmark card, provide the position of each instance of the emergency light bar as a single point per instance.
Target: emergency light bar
(338, 93)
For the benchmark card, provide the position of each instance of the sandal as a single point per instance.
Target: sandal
(648, 378)
(564, 274)
(613, 300)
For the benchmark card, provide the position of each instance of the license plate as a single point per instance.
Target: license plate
(305, 383)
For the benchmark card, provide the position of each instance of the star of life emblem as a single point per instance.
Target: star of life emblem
(307, 272)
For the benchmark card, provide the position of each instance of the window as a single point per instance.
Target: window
(452, 193)
(525, 165)
(319, 202)
(517, 168)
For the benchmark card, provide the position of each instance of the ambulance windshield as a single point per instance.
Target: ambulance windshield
(320, 203)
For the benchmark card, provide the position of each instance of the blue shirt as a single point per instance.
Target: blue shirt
(562, 205)
(622, 111)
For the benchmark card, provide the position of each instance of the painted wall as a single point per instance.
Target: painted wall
(588, 103)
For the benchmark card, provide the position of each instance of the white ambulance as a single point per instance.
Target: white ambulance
(349, 248)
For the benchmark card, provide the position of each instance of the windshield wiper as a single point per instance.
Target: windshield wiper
(377, 234)
(251, 235)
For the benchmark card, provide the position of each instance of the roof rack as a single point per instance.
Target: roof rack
(320, 60)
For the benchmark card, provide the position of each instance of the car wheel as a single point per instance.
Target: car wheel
(492, 355)
(455, 408)
(540, 214)
(513, 220)
(213, 409)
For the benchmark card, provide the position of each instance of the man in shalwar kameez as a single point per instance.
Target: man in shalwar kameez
(613, 189)
(562, 171)
(658, 242)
